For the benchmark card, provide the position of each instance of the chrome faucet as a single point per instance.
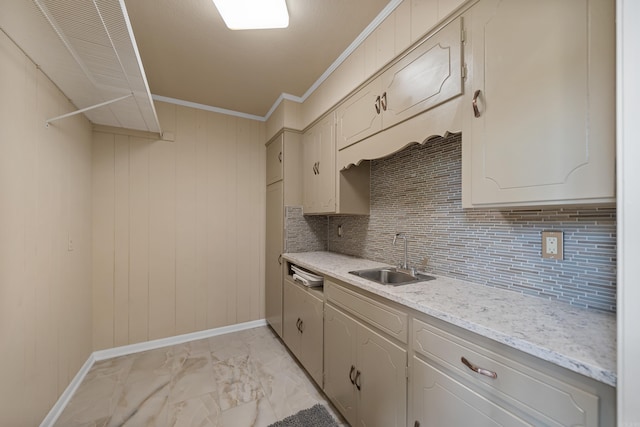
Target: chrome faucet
(404, 266)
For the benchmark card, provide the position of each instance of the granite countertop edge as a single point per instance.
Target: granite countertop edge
(581, 340)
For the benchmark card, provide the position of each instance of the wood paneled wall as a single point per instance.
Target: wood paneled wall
(45, 201)
(178, 227)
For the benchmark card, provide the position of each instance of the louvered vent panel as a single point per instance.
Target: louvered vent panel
(86, 48)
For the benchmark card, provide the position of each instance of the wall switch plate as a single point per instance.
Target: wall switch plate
(552, 245)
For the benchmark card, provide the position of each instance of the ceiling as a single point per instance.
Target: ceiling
(111, 58)
(190, 55)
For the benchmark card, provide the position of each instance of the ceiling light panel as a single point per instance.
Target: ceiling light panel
(253, 14)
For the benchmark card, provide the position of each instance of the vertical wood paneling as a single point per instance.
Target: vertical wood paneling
(229, 210)
(218, 203)
(103, 243)
(162, 239)
(187, 218)
(121, 240)
(202, 221)
(249, 231)
(186, 224)
(13, 249)
(45, 291)
(138, 239)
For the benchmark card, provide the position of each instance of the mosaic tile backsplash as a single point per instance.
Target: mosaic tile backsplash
(418, 192)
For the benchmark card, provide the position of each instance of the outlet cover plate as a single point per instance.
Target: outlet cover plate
(552, 245)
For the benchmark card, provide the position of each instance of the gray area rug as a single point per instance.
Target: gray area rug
(316, 416)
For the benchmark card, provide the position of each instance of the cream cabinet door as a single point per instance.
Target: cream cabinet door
(340, 361)
(275, 153)
(309, 174)
(543, 77)
(425, 78)
(365, 373)
(440, 400)
(381, 381)
(312, 327)
(274, 241)
(292, 300)
(303, 327)
(319, 167)
(360, 115)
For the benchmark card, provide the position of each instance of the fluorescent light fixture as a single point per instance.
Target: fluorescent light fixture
(253, 14)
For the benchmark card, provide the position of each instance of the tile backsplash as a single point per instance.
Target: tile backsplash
(418, 192)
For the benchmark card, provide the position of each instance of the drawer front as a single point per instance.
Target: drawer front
(377, 314)
(544, 398)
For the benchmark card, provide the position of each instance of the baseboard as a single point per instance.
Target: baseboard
(177, 339)
(99, 355)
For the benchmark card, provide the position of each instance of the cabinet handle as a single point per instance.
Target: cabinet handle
(353, 368)
(318, 167)
(280, 259)
(280, 157)
(476, 112)
(357, 380)
(377, 105)
(301, 329)
(384, 101)
(298, 324)
(478, 370)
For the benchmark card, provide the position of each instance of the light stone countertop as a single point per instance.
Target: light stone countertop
(581, 340)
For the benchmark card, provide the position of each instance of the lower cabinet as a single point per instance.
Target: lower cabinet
(365, 373)
(303, 326)
(455, 382)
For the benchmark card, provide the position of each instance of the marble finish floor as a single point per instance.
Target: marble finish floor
(244, 378)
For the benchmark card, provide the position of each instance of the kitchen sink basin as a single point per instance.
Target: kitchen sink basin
(391, 276)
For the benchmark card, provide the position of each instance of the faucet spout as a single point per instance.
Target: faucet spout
(405, 266)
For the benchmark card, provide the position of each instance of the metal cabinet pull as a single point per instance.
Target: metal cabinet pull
(476, 112)
(280, 259)
(478, 370)
(280, 157)
(377, 105)
(353, 368)
(357, 380)
(318, 167)
(298, 324)
(383, 101)
(301, 329)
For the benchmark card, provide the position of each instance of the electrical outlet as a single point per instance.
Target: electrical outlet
(552, 245)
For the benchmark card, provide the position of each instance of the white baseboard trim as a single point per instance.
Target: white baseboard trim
(99, 355)
(177, 339)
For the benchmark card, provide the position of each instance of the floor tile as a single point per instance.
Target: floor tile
(241, 379)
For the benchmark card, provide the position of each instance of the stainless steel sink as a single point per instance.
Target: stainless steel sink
(391, 276)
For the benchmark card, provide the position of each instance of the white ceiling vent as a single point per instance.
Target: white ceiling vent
(88, 50)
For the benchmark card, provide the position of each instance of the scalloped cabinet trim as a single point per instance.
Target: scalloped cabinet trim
(428, 76)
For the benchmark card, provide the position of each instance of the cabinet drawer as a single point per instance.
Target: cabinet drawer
(542, 397)
(377, 314)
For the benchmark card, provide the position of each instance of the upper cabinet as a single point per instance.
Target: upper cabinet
(319, 167)
(274, 160)
(326, 190)
(539, 112)
(425, 77)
